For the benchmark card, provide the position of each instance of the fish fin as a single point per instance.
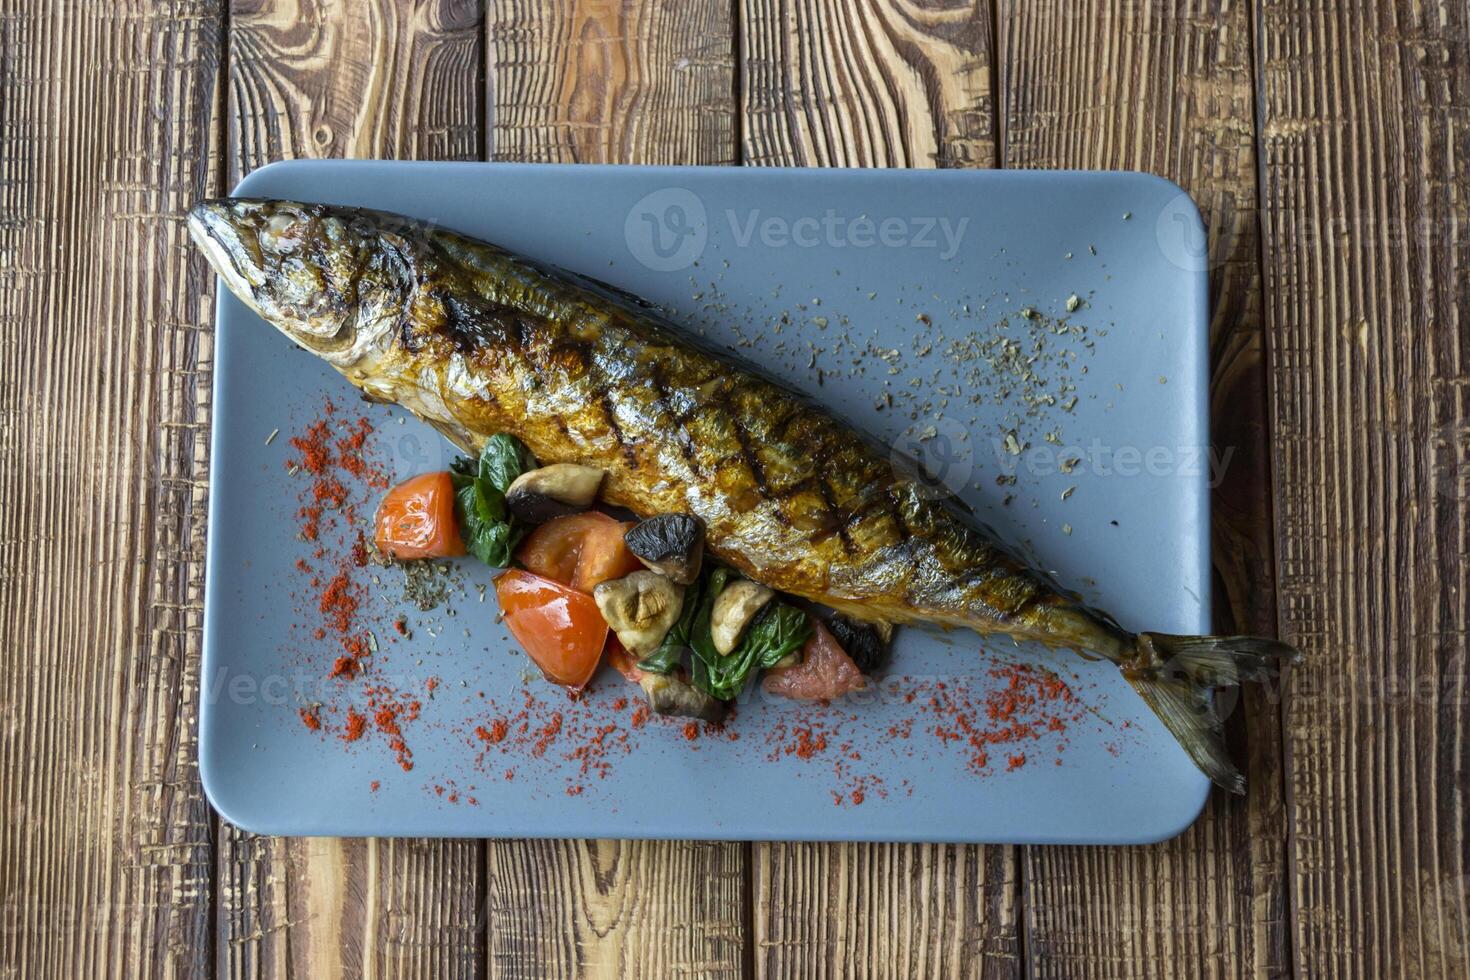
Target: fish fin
(1175, 680)
(456, 435)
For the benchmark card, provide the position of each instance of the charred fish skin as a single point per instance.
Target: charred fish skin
(477, 340)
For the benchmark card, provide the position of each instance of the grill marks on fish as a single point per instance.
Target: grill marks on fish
(785, 478)
(586, 373)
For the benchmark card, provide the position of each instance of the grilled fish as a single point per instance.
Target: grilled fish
(476, 340)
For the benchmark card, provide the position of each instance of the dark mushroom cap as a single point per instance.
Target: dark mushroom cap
(669, 543)
(861, 641)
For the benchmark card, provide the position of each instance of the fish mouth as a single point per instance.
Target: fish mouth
(244, 244)
(226, 243)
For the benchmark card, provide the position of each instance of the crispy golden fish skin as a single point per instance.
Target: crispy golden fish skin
(476, 340)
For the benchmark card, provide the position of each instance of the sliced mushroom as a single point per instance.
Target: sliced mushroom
(668, 695)
(670, 544)
(640, 608)
(734, 608)
(866, 643)
(539, 495)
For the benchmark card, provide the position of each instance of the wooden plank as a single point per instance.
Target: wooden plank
(843, 83)
(1365, 122)
(1167, 87)
(855, 84)
(612, 81)
(106, 115)
(886, 910)
(616, 909)
(390, 79)
(628, 81)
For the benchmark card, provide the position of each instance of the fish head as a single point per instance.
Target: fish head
(317, 273)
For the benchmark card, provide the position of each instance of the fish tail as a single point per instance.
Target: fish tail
(1175, 675)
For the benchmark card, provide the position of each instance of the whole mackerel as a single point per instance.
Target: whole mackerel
(476, 340)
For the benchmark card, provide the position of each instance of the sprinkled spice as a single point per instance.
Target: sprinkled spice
(339, 602)
(547, 734)
(356, 726)
(495, 733)
(1022, 708)
(346, 667)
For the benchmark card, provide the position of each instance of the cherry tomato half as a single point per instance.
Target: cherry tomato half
(560, 627)
(580, 550)
(416, 519)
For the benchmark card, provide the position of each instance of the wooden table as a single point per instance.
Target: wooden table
(1329, 143)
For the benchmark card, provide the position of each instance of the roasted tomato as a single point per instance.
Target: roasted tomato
(825, 673)
(622, 661)
(558, 626)
(580, 550)
(416, 519)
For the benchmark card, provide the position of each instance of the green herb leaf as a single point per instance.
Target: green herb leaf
(485, 524)
(778, 630)
(503, 459)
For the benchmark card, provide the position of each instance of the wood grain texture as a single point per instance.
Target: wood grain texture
(616, 909)
(324, 907)
(1166, 87)
(1365, 134)
(889, 84)
(848, 83)
(886, 910)
(106, 116)
(375, 79)
(612, 81)
(385, 79)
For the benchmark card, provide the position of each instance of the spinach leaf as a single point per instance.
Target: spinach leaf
(670, 652)
(778, 630)
(503, 459)
(489, 531)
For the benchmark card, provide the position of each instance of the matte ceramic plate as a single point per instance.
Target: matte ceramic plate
(1038, 340)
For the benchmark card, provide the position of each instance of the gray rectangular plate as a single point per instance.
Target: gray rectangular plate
(896, 259)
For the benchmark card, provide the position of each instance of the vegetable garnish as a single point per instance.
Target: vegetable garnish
(825, 672)
(778, 630)
(670, 653)
(580, 550)
(559, 627)
(490, 532)
(416, 519)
